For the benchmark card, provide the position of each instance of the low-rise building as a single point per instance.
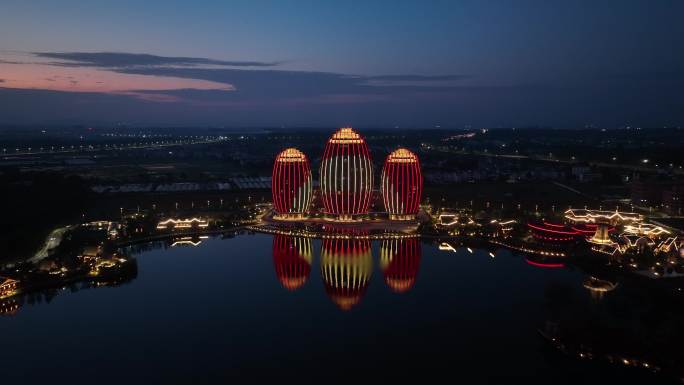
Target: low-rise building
(8, 287)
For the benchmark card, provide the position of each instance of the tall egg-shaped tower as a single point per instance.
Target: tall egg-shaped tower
(346, 175)
(401, 184)
(291, 184)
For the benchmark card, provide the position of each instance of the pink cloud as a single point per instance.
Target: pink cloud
(43, 76)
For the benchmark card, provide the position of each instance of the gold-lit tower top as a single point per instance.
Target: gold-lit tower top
(346, 135)
(402, 155)
(291, 155)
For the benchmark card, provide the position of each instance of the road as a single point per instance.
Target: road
(53, 240)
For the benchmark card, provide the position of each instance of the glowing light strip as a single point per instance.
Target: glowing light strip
(553, 224)
(291, 182)
(401, 183)
(532, 251)
(545, 265)
(182, 223)
(551, 231)
(346, 175)
(592, 215)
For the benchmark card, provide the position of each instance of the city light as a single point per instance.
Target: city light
(346, 175)
(346, 268)
(291, 183)
(401, 184)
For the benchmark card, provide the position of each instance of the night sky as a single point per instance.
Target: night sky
(362, 63)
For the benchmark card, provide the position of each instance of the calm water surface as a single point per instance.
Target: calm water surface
(251, 309)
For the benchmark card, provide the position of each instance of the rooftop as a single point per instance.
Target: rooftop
(291, 155)
(346, 135)
(402, 155)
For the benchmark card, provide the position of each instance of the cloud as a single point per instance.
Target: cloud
(151, 96)
(477, 106)
(415, 80)
(30, 71)
(269, 85)
(271, 81)
(216, 82)
(154, 89)
(2, 80)
(418, 77)
(122, 60)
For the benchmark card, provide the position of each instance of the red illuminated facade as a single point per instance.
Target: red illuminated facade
(554, 233)
(400, 259)
(401, 184)
(543, 263)
(291, 183)
(346, 267)
(346, 175)
(292, 258)
(589, 229)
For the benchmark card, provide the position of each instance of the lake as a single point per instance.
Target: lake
(257, 308)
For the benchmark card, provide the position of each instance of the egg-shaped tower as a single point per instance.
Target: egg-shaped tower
(400, 259)
(291, 184)
(346, 267)
(346, 175)
(292, 258)
(401, 184)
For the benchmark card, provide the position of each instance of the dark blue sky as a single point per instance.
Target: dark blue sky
(364, 63)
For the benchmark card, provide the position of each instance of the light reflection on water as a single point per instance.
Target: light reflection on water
(302, 309)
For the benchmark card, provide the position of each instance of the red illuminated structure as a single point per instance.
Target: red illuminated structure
(552, 232)
(589, 229)
(346, 175)
(346, 267)
(544, 264)
(400, 259)
(292, 260)
(401, 184)
(291, 184)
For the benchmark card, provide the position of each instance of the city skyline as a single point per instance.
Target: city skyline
(303, 191)
(450, 64)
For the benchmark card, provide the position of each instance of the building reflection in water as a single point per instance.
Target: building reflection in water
(633, 326)
(9, 307)
(399, 260)
(346, 264)
(598, 287)
(39, 287)
(292, 257)
(346, 268)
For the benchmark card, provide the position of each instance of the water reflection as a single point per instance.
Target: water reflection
(631, 325)
(55, 277)
(346, 264)
(346, 268)
(399, 260)
(292, 257)
(544, 262)
(598, 287)
(589, 312)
